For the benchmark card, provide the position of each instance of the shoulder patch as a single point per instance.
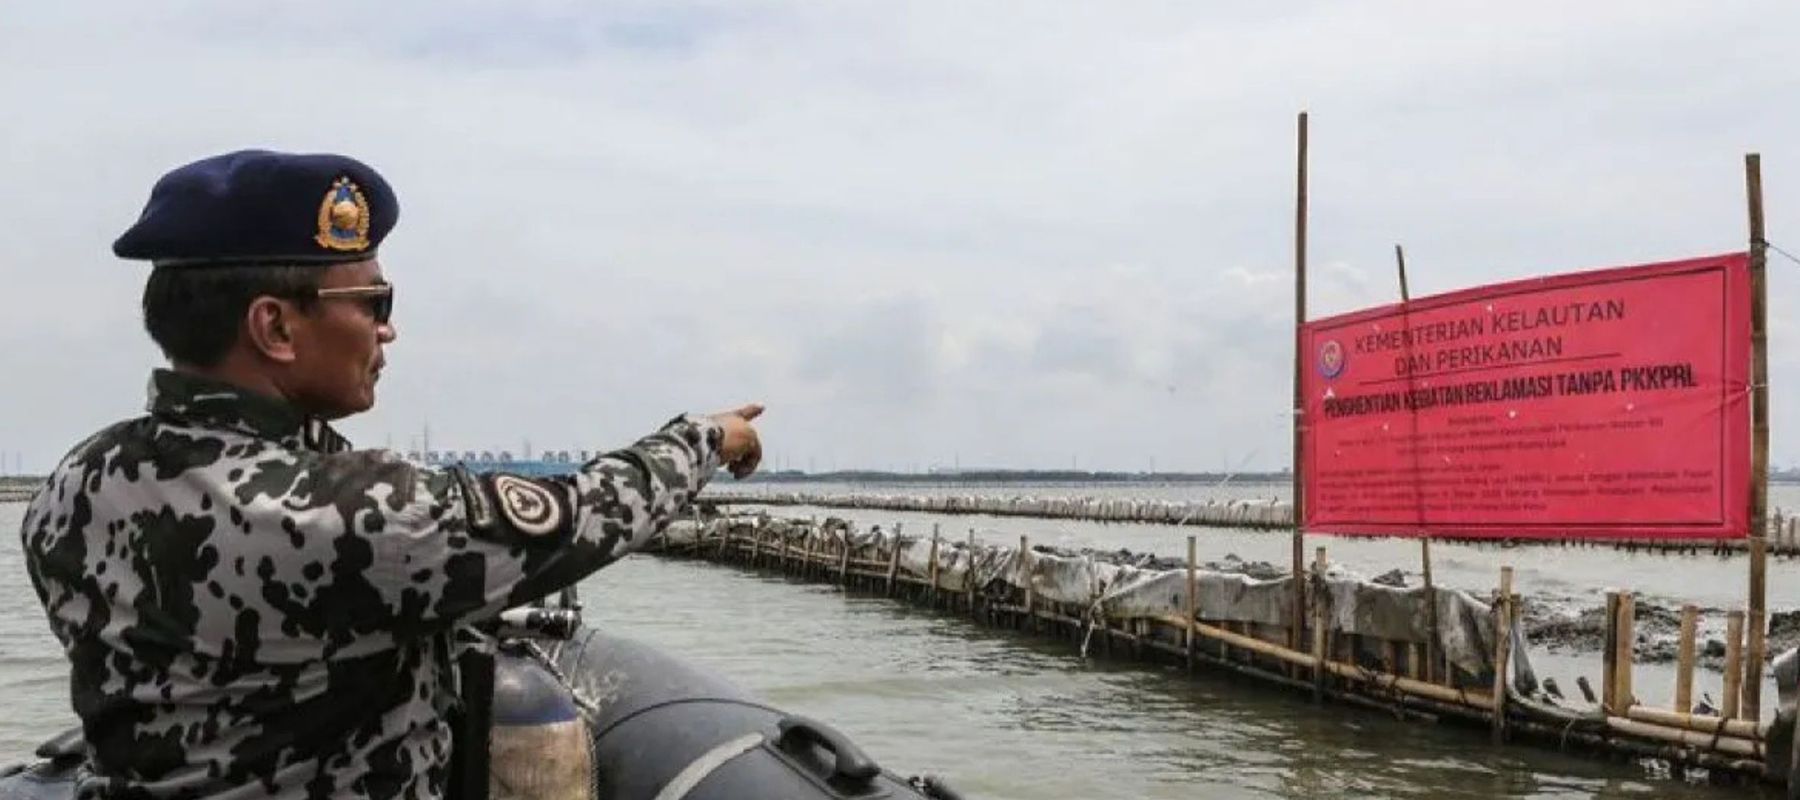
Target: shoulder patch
(532, 508)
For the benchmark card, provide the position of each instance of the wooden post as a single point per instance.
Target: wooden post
(1684, 660)
(1627, 652)
(1192, 606)
(1731, 704)
(1502, 651)
(725, 540)
(1030, 585)
(1320, 627)
(784, 551)
(894, 561)
(934, 564)
(1759, 437)
(1299, 420)
(1609, 658)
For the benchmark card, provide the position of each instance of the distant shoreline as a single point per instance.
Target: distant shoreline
(1019, 476)
(30, 483)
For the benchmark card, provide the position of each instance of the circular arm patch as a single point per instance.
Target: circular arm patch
(530, 507)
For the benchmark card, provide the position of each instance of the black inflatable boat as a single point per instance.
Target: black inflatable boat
(577, 713)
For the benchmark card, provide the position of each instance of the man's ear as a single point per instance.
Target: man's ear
(269, 327)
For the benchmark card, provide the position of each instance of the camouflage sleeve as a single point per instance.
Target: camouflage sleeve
(469, 545)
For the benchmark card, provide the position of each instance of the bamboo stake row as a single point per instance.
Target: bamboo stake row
(1329, 668)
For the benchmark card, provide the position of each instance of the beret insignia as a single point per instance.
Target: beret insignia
(530, 507)
(343, 218)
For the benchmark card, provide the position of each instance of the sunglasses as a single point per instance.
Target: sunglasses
(379, 298)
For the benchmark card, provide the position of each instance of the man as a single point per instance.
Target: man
(249, 606)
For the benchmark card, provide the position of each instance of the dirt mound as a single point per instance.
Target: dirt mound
(1655, 626)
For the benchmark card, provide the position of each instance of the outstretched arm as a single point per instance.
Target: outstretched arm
(465, 546)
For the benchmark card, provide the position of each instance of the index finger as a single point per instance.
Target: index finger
(750, 412)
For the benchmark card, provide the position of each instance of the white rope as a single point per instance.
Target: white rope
(697, 770)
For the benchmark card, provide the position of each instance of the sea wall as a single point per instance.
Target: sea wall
(1783, 531)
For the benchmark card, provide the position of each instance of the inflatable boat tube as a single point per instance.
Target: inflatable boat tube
(599, 716)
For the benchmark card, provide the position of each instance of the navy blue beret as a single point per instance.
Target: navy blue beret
(263, 207)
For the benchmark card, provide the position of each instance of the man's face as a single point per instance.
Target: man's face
(338, 346)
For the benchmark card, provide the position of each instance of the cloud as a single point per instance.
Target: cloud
(883, 352)
(999, 234)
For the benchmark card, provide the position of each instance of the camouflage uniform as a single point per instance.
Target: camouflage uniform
(251, 608)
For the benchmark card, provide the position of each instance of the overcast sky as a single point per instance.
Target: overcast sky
(1026, 234)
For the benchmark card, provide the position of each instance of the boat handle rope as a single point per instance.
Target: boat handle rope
(544, 660)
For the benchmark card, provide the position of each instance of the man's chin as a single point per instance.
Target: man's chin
(350, 408)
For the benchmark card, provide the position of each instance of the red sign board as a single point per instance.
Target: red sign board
(1606, 404)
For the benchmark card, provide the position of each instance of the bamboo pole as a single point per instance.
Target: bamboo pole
(1704, 723)
(933, 569)
(1734, 664)
(1502, 649)
(1191, 607)
(1759, 436)
(1562, 735)
(1431, 615)
(1031, 585)
(1609, 656)
(894, 561)
(1319, 638)
(1400, 262)
(699, 547)
(1723, 744)
(1684, 660)
(1431, 611)
(969, 573)
(814, 541)
(1299, 420)
(1106, 632)
(844, 559)
(1626, 656)
(1350, 672)
(1754, 631)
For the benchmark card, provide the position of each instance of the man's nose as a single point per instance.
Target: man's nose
(385, 333)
